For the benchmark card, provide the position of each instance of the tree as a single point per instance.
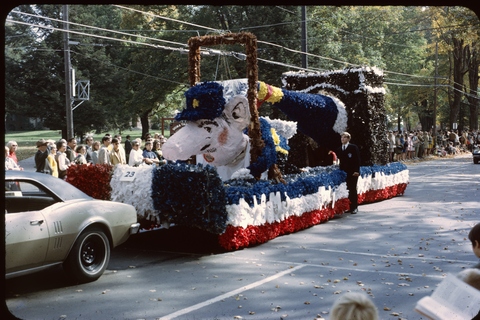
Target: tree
(279, 25)
(153, 73)
(473, 78)
(131, 80)
(457, 28)
(34, 67)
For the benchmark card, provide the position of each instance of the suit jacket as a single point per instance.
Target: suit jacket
(128, 147)
(88, 157)
(104, 155)
(117, 158)
(40, 158)
(71, 154)
(349, 159)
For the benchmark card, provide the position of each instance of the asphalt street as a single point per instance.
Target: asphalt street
(396, 251)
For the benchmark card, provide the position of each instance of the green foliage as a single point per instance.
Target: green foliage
(136, 76)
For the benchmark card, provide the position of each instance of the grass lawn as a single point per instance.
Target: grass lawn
(26, 139)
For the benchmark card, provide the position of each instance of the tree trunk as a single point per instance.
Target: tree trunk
(425, 115)
(459, 66)
(145, 123)
(473, 78)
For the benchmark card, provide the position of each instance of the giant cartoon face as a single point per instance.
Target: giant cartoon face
(221, 140)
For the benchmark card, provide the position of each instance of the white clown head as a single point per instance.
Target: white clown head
(214, 127)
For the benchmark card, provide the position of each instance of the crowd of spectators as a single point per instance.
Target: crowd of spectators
(417, 144)
(55, 157)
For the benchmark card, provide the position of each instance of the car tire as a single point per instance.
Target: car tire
(475, 161)
(89, 256)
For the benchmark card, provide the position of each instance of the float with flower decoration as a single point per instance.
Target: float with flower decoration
(249, 184)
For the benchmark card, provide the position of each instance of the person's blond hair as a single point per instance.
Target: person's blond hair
(354, 306)
(346, 134)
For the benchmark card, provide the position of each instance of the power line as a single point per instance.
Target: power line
(133, 71)
(208, 28)
(100, 29)
(207, 51)
(433, 85)
(222, 31)
(182, 50)
(167, 18)
(97, 36)
(264, 42)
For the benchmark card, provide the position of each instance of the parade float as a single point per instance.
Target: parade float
(241, 187)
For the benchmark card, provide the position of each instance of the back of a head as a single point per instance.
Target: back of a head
(474, 234)
(354, 306)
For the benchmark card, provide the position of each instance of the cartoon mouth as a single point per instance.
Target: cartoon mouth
(205, 147)
(208, 157)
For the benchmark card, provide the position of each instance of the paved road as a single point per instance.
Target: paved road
(27, 164)
(396, 251)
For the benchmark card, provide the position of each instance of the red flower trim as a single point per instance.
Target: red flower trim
(238, 237)
(94, 180)
(382, 194)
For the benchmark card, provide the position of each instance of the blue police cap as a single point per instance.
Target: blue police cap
(204, 101)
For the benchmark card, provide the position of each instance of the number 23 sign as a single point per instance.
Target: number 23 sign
(130, 174)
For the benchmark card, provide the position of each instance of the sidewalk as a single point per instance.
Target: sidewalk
(28, 164)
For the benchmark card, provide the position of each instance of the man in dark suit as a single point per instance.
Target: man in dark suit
(128, 148)
(41, 155)
(349, 157)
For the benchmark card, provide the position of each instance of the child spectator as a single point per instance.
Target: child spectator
(472, 275)
(354, 306)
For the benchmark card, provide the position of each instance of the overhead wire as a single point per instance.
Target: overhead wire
(207, 51)
(133, 71)
(270, 44)
(98, 28)
(196, 25)
(183, 50)
(167, 18)
(96, 36)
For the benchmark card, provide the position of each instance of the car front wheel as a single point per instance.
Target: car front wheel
(89, 256)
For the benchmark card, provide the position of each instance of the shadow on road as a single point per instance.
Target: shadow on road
(175, 239)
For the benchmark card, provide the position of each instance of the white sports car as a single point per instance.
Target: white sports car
(48, 221)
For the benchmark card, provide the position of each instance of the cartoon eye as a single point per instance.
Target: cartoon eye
(236, 113)
(209, 129)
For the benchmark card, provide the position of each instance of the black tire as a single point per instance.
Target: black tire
(89, 256)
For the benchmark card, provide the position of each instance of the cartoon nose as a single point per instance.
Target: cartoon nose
(205, 147)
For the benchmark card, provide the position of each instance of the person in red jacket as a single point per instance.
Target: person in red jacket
(12, 150)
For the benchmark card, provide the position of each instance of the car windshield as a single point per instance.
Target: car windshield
(46, 183)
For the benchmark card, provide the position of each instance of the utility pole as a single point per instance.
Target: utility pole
(434, 133)
(304, 37)
(68, 76)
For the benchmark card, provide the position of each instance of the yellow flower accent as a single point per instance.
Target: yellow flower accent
(276, 138)
(276, 94)
(276, 141)
(195, 103)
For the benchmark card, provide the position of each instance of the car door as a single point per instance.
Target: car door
(26, 231)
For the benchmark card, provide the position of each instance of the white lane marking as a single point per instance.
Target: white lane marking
(229, 294)
(396, 257)
(334, 267)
